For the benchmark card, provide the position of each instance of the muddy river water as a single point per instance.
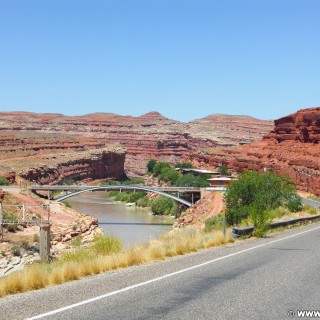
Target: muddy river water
(130, 224)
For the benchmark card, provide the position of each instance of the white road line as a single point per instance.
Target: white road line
(71, 306)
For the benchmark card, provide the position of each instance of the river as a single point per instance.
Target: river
(131, 225)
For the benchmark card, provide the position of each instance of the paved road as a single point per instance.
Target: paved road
(309, 202)
(253, 279)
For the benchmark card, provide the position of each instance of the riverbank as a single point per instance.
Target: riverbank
(20, 243)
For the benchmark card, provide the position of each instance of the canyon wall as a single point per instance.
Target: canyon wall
(291, 149)
(97, 164)
(150, 136)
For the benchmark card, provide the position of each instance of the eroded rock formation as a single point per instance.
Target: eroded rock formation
(291, 149)
(98, 164)
(145, 137)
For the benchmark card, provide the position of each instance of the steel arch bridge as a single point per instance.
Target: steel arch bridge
(124, 187)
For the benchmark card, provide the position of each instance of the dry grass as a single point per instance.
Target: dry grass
(84, 262)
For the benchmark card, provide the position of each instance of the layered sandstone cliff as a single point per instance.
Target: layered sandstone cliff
(53, 169)
(145, 137)
(291, 149)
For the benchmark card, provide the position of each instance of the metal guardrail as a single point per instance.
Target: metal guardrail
(238, 232)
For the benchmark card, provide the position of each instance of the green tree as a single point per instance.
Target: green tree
(159, 167)
(150, 165)
(170, 175)
(255, 194)
(190, 180)
(163, 205)
(184, 165)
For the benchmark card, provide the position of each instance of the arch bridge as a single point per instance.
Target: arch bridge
(75, 190)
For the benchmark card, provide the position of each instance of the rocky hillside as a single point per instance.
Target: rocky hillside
(292, 148)
(145, 137)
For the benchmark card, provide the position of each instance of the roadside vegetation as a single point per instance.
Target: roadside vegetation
(106, 254)
(166, 175)
(258, 198)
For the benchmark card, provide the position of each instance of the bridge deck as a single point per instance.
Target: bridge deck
(112, 187)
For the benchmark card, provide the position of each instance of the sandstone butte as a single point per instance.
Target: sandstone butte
(292, 148)
(36, 141)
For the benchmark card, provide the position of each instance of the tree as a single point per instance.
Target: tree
(223, 170)
(159, 166)
(163, 205)
(255, 194)
(150, 165)
(190, 180)
(184, 165)
(170, 175)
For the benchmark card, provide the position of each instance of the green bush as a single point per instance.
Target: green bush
(190, 180)
(4, 181)
(256, 194)
(163, 205)
(143, 202)
(213, 223)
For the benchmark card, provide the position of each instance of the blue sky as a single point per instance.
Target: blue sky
(183, 58)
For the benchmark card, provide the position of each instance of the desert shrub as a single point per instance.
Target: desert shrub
(309, 210)
(223, 170)
(213, 223)
(4, 181)
(106, 245)
(76, 242)
(278, 213)
(68, 181)
(67, 203)
(183, 165)
(16, 251)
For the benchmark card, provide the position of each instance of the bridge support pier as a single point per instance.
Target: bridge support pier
(50, 195)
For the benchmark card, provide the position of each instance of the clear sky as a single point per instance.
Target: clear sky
(183, 58)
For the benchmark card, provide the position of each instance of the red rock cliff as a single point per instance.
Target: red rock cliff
(145, 137)
(291, 149)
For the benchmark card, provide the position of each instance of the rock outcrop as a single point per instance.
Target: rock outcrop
(291, 149)
(97, 164)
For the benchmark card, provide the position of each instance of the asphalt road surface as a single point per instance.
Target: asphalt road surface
(271, 278)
